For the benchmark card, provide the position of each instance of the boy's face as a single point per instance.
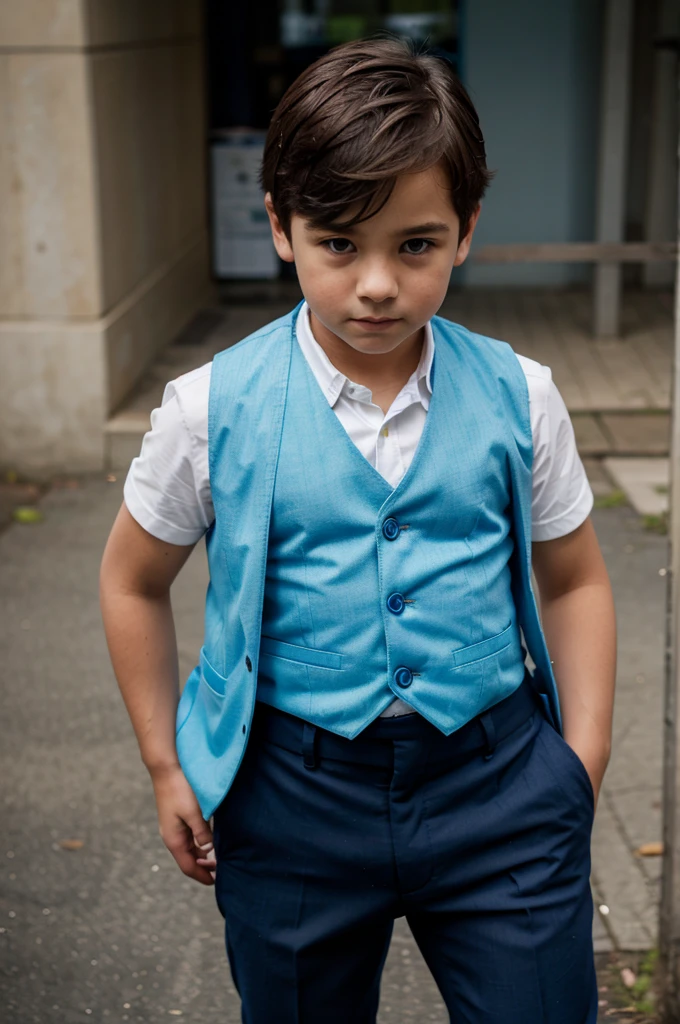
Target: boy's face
(375, 285)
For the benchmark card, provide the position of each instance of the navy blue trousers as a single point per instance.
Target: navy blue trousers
(481, 839)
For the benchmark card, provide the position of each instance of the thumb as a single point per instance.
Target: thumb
(200, 830)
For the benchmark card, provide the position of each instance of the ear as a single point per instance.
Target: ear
(464, 244)
(281, 241)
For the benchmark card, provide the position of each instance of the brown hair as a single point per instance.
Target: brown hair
(359, 117)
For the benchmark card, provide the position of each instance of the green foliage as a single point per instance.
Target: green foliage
(651, 959)
(641, 986)
(656, 524)
(614, 499)
(642, 991)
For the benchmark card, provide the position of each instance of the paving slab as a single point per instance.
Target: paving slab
(637, 433)
(630, 804)
(590, 437)
(645, 482)
(600, 482)
(630, 374)
(112, 930)
(625, 902)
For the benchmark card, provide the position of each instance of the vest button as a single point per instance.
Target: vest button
(403, 677)
(249, 664)
(390, 529)
(396, 603)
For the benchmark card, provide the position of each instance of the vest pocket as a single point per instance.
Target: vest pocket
(303, 655)
(211, 677)
(484, 648)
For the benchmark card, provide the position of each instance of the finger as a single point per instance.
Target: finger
(201, 875)
(203, 837)
(182, 847)
(189, 866)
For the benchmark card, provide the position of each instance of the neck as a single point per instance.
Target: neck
(379, 372)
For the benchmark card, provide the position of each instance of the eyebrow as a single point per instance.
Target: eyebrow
(430, 228)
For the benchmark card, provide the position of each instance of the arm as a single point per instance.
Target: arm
(136, 574)
(577, 609)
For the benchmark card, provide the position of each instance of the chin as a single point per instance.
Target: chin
(377, 347)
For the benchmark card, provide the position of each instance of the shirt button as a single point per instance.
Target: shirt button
(403, 677)
(396, 603)
(249, 664)
(390, 529)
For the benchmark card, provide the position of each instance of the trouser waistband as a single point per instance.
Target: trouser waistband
(374, 746)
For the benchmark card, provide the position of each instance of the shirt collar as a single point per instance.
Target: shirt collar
(332, 381)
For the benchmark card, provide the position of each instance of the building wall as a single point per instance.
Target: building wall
(533, 71)
(105, 237)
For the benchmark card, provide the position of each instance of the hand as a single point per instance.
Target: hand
(182, 826)
(594, 760)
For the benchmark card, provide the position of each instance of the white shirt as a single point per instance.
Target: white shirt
(167, 489)
(168, 485)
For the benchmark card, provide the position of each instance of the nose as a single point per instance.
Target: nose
(377, 282)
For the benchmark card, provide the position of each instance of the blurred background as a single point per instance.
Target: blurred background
(132, 219)
(133, 246)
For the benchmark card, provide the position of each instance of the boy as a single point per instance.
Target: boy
(362, 729)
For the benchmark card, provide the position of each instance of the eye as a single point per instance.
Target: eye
(338, 246)
(417, 246)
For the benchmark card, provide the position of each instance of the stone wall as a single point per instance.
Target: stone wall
(533, 71)
(104, 236)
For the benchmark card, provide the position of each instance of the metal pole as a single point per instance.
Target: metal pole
(611, 179)
(669, 921)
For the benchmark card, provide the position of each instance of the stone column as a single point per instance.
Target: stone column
(103, 218)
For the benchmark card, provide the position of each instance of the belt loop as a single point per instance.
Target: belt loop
(309, 746)
(489, 730)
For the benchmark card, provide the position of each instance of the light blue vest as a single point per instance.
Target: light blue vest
(331, 593)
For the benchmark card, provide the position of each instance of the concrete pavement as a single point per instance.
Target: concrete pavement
(629, 814)
(112, 930)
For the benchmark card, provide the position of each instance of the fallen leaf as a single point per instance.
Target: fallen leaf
(71, 844)
(649, 850)
(27, 515)
(628, 977)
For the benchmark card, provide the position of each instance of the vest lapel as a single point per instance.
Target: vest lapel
(250, 462)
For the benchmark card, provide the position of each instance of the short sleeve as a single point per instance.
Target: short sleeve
(167, 489)
(562, 498)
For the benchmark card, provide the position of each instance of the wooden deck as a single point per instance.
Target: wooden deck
(629, 373)
(617, 390)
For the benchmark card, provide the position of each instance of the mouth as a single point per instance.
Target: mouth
(376, 321)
